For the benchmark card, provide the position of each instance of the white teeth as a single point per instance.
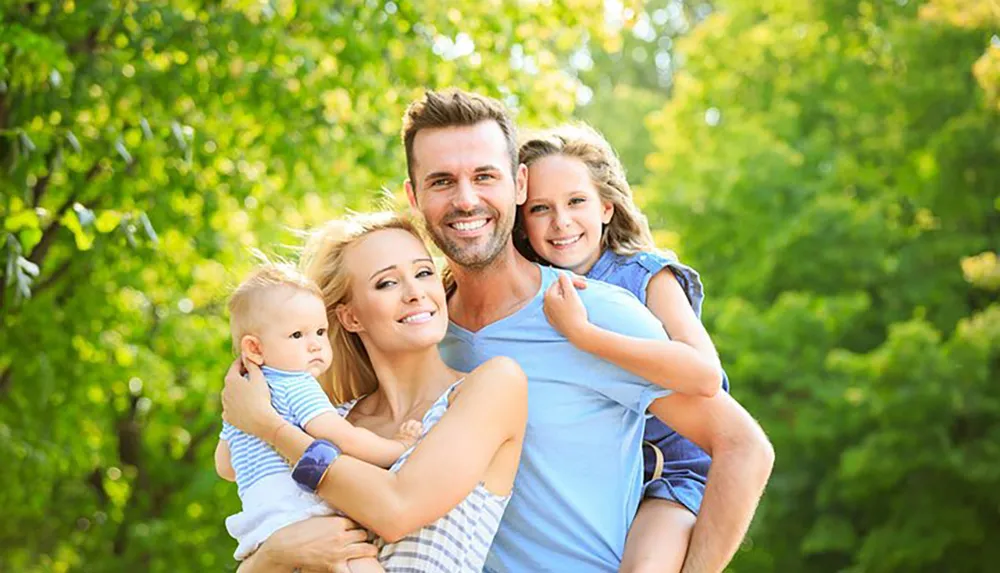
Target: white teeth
(564, 242)
(419, 317)
(470, 225)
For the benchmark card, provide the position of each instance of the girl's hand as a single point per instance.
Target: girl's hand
(565, 310)
(246, 404)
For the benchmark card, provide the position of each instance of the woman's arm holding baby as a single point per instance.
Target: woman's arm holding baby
(489, 413)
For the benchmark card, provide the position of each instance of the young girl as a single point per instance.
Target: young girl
(579, 215)
(278, 321)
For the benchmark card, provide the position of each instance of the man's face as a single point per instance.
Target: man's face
(465, 191)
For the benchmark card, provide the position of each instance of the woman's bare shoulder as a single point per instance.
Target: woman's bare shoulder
(497, 377)
(501, 370)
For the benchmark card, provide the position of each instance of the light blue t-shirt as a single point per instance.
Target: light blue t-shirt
(298, 398)
(580, 480)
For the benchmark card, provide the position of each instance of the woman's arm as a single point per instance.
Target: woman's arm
(356, 442)
(672, 364)
(224, 461)
(489, 413)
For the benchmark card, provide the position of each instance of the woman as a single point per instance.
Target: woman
(438, 507)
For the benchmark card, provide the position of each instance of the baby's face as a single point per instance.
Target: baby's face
(294, 336)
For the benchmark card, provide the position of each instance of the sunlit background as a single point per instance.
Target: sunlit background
(831, 167)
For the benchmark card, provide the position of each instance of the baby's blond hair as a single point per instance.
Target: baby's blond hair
(247, 301)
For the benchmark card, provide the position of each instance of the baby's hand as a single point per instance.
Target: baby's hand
(409, 432)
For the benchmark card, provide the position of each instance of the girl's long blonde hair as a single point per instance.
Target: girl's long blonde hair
(352, 374)
(628, 231)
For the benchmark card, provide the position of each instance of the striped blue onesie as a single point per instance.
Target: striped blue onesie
(271, 499)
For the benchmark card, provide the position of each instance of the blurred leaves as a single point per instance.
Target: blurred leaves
(832, 169)
(145, 149)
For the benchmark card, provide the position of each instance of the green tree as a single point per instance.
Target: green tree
(145, 148)
(833, 169)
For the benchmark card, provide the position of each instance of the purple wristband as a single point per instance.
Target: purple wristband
(314, 463)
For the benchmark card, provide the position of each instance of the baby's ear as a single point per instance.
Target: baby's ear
(252, 349)
(347, 318)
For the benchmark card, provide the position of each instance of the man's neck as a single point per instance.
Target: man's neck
(484, 296)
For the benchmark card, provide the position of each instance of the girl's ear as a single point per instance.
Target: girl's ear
(607, 211)
(348, 319)
(252, 349)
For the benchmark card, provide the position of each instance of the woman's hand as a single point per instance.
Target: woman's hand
(565, 310)
(246, 404)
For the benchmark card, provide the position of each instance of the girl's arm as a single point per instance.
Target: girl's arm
(485, 421)
(357, 442)
(224, 461)
(686, 364)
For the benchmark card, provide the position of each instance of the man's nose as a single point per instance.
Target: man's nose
(465, 197)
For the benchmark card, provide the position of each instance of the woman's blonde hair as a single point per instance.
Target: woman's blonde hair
(352, 374)
(628, 231)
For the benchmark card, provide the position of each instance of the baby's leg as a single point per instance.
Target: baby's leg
(658, 540)
(365, 565)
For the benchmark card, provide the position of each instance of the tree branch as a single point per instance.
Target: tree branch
(38, 253)
(51, 158)
(53, 278)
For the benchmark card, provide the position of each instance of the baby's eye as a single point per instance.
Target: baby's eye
(297, 334)
(321, 332)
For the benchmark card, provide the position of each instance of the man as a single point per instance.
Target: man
(579, 483)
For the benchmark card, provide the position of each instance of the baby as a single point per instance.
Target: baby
(279, 322)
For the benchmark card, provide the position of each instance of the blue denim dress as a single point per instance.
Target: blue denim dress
(685, 465)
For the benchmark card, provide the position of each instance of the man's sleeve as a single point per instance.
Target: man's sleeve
(616, 310)
(305, 400)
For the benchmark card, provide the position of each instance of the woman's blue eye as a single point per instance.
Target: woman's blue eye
(537, 208)
(424, 273)
(384, 284)
(577, 200)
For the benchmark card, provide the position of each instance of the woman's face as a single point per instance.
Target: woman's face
(564, 214)
(397, 299)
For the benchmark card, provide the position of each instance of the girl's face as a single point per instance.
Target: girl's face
(564, 214)
(397, 299)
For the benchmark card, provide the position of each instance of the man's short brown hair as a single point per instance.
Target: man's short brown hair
(456, 108)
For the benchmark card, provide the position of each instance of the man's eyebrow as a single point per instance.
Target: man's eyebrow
(390, 267)
(436, 175)
(482, 168)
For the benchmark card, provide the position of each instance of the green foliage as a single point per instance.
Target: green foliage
(832, 169)
(145, 149)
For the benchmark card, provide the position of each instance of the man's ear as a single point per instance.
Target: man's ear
(521, 184)
(607, 211)
(347, 318)
(252, 349)
(411, 195)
